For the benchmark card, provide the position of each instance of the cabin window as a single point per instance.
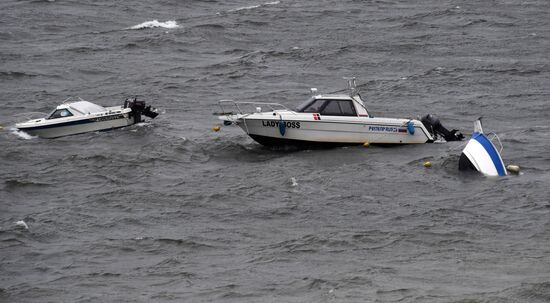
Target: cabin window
(60, 113)
(329, 107)
(347, 108)
(338, 108)
(313, 107)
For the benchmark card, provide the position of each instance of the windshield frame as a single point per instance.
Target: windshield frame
(326, 101)
(51, 115)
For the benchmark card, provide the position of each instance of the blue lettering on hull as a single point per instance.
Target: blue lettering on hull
(387, 129)
(287, 124)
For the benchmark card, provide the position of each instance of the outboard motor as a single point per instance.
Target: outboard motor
(139, 108)
(434, 126)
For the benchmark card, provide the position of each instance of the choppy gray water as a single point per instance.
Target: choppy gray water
(171, 211)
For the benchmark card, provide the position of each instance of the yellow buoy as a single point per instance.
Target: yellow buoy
(427, 164)
(366, 144)
(216, 128)
(513, 168)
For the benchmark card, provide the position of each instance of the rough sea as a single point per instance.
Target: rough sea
(171, 211)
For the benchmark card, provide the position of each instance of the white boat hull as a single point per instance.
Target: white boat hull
(359, 131)
(79, 126)
(483, 156)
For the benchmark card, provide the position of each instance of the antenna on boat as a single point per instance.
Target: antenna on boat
(477, 125)
(313, 91)
(352, 86)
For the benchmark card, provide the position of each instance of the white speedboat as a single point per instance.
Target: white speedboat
(480, 154)
(340, 119)
(76, 117)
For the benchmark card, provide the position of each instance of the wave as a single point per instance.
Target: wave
(254, 6)
(17, 183)
(15, 75)
(156, 23)
(21, 134)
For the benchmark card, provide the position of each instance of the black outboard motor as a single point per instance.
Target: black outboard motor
(139, 108)
(434, 126)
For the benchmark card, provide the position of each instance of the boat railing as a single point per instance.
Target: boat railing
(493, 137)
(244, 107)
(72, 100)
(30, 116)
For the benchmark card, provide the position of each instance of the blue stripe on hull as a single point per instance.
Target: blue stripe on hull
(491, 150)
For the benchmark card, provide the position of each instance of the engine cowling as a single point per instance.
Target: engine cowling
(140, 108)
(434, 126)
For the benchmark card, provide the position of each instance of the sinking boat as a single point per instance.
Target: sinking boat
(333, 119)
(77, 117)
(480, 154)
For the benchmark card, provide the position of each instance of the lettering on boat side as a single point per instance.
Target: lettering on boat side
(288, 124)
(107, 118)
(389, 129)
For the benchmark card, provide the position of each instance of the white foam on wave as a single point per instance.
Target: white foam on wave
(21, 134)
(254, 6)
(22, 224)
(156, 23)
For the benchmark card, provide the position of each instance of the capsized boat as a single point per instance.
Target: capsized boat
(76, 117)
(480, 154)
(335, 119)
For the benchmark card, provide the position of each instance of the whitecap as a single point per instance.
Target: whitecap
(245, 8)
(22, 224)
(156, 23)
(293, 182)
(21, 134)
(254, 6)
(143, 124)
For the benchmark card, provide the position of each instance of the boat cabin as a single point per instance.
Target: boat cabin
(78, 108)
(334, 105)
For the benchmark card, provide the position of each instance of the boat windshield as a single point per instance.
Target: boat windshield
(302, 106)
(60, 113)
(328, 107)
(313, 106)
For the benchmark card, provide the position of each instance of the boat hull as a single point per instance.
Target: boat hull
(303, 132)
(271, 142)
(480, 154)
(77, 126)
